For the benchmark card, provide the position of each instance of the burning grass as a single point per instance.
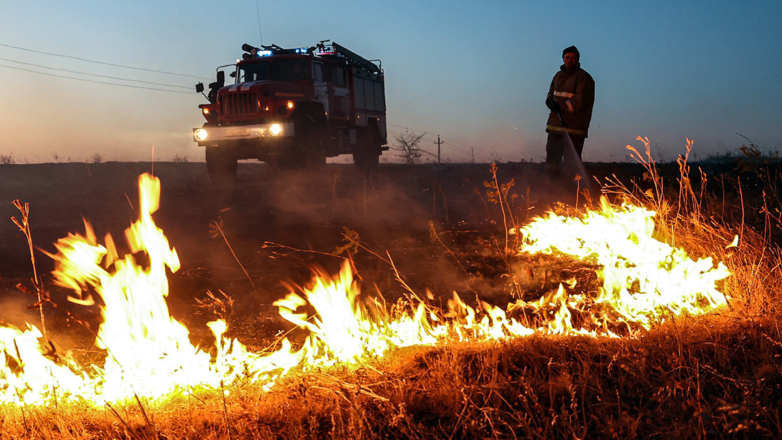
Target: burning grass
(364, 371)
(715, 376)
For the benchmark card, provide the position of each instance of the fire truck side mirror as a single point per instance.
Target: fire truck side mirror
(200, 88)
(221, 78)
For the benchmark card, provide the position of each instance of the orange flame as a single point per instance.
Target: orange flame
(643, 279)
(148, 353)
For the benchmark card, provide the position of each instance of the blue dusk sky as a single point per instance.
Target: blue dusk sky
(475, 73)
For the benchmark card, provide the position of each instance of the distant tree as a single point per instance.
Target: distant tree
(407, 144)
(179, 159)
(97, 158)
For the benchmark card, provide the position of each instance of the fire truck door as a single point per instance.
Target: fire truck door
(320, 85)
(340, 95)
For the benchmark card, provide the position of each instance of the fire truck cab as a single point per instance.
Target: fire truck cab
(293, 108)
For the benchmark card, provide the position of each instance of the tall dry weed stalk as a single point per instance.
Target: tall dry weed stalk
(24, 226)
(500, 194)
(216, 230)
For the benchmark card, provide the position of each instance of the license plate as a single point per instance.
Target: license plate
(237, 132)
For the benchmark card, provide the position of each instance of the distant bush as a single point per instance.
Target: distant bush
(7, 159)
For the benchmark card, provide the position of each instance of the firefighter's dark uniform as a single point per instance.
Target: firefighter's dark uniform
(575, 93)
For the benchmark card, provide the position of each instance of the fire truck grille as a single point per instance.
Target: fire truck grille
(239, 103)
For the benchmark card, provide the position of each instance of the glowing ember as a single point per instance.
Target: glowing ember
(148, 353)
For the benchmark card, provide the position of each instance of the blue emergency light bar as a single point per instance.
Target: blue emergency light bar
(333, 49)
(267, 51)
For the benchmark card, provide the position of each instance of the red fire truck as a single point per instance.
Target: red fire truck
(294, 108)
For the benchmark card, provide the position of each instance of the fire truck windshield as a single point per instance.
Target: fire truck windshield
(282, 69)
(254, 72)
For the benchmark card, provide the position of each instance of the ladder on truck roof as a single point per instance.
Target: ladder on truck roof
(358, 59)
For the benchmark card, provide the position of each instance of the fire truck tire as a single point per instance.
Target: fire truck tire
(309, 151)
(367, 155)
(221, 165)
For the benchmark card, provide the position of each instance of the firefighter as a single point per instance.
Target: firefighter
(570, 99)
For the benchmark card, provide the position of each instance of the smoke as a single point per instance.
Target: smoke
(438, 226)
(434, 223)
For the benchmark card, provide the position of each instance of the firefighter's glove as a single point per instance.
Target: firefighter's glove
(553, 105)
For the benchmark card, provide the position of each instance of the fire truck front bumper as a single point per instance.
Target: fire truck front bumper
(275, 132)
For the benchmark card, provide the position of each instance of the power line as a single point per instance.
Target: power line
(458, 149)
(95, 74)
(98, 62)
(91, 81)
(405, 127)
(454, 147)
(467, 147)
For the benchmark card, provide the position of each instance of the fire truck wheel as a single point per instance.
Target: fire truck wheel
(310, 149)
(367, 155)
(221, 165)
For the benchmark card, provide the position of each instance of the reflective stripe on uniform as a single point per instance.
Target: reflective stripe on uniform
(564, 94)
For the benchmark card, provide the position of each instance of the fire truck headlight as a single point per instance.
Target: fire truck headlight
(200, 135)
(275, 129)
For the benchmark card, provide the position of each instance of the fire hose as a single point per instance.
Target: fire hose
(570, 149)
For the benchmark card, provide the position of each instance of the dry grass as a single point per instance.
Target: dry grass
(711, 376)
(716, 376)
